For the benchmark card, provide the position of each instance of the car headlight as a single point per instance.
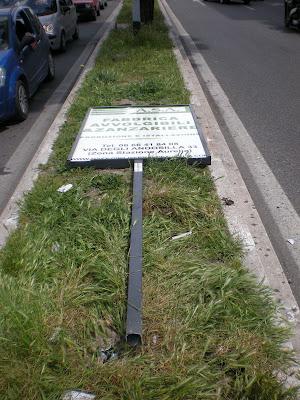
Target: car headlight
(2, 76)
(49, 28)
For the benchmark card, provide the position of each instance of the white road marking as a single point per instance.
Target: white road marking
(199, 2)
(250, 8)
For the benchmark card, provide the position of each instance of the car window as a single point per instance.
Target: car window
(34, 21)
(42, 7)
(23, 26)
(3, 33)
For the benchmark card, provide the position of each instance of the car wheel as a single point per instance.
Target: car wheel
(76, 33)
(246, 2)
(286, 17)
(22, 101)
(98, 11)
(63, 43)
(94, 15)
(102, 5)
(51, 68)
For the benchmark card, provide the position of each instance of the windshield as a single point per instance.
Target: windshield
(3, 33)
(42, 7)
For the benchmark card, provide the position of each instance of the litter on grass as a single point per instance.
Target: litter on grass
(55, 335)
(182, 235)
(108, 355)
(65, 188)
(55, 247)
(78, 395)
(291, 241)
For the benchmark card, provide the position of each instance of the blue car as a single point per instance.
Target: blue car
(25, 60)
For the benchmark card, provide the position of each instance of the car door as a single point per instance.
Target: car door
(41, 47)
(28, 56)
(66, 17)
(73, 16)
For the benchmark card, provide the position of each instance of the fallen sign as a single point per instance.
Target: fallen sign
(113, 137)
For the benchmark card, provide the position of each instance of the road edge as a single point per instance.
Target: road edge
(260, 257)
(10, 214)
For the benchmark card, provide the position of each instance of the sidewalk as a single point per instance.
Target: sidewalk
(210, 330)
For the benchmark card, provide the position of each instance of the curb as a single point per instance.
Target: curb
(242, 217)
(10, 214)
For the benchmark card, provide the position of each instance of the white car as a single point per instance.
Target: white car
(59, 19)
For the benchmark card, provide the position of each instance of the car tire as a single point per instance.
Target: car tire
(98, 11)
(94, 15)
(21, 101)
(76, 33)
(246, 2)
(102, 6)
(51, 68)
(63, 42)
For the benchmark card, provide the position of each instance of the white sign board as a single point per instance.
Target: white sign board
(129, 133)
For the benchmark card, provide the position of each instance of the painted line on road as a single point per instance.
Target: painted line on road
(10, 214)
(199, 2)
(250, 8)
(243, 218)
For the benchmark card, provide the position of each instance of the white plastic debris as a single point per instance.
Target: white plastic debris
(182, 235)
(65, 188)
(55, 247)
(78, 395)
(154, 339)
(291, 316)
(55, 335)
(291, 241)
(108, 354)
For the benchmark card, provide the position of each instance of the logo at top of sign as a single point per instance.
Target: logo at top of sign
(157, 110)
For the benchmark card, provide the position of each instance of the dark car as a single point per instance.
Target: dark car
(25, 60)
(292, 13)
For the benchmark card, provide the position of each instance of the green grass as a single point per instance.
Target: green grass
(210, 331)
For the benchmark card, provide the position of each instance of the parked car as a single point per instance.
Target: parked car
(292, 13)
(59, 20)
(25, 60)
(87, 8)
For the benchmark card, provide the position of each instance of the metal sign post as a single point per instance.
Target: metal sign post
(114, 137)
(136, 15)
(134, 296)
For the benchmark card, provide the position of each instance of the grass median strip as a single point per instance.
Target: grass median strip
(210, 331)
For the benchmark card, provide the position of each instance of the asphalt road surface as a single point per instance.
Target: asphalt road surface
(257, 62)
(15, 154)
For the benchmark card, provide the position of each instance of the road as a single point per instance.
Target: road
(256, 61)
(20, 141)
